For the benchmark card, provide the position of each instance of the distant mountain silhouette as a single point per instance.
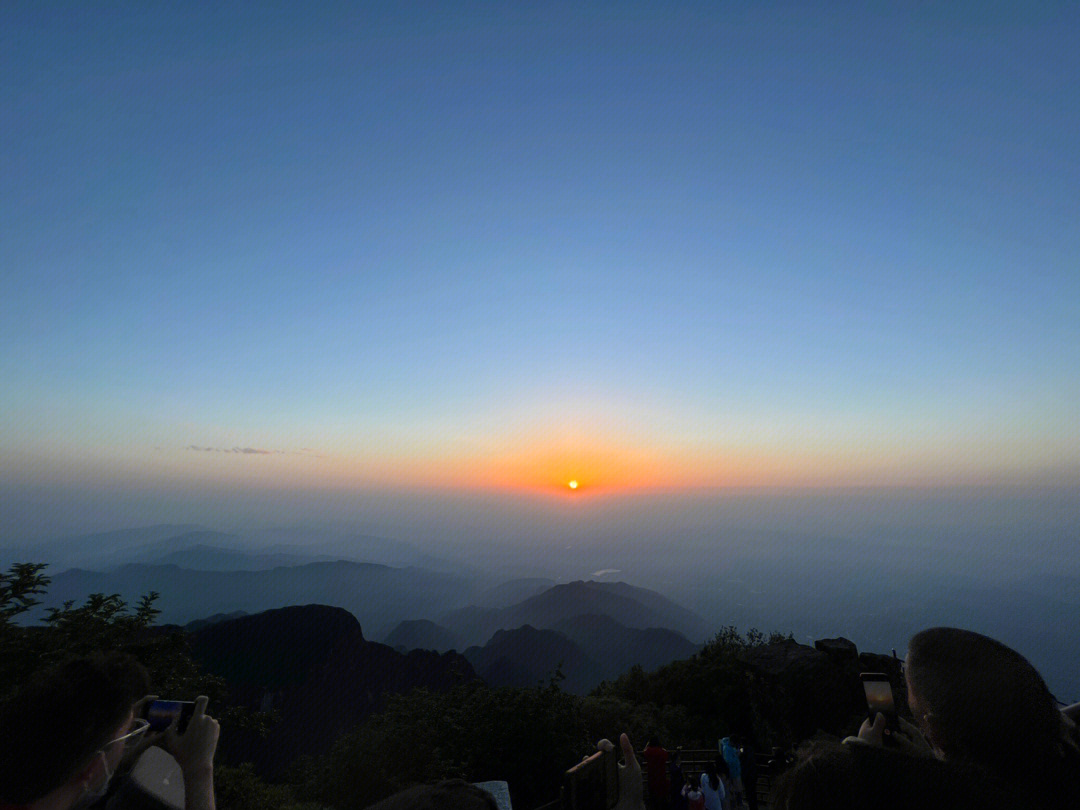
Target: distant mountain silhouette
(629, 606)
(201, 557)
(617, 648)
(526, 656)
(514, 591)
(590, 649)
(349, 545)
(154, 544)
(312, 665)
(90, 550)
(674, 615)
(376, 594)
(198, 624)
(422, 634)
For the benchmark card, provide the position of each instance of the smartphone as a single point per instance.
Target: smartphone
(879, 698)
(160, 714)
(592, 784)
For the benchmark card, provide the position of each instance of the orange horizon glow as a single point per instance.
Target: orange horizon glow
(543, 459)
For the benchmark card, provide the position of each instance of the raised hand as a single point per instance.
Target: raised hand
(194, 749)
(630, 787)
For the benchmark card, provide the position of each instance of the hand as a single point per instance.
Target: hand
(630, 787)
(194, 749)
(132, 753)
(911, 741)
(873, 733)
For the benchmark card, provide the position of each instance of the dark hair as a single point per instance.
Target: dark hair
(992, 709)
(55, 723)
(831, 776)
(452, 794)
(722, 767)
(714, 776)
(987, 701)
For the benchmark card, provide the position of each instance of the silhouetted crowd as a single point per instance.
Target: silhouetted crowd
(986, 734)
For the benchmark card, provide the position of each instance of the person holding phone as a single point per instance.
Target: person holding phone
(982, 707)
(65, 734)
(981, 704)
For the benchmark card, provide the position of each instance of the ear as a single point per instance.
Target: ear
(933, 734)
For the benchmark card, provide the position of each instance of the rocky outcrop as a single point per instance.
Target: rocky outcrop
(527, 656)
(840, 649)
(809, 689)
(616, 648)
(311, 666)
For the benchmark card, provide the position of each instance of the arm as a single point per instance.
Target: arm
(199, 790)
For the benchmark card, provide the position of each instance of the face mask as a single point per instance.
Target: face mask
(91, 797)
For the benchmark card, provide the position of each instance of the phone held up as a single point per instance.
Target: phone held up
(592, 784)
(879, 698)
(160, 714)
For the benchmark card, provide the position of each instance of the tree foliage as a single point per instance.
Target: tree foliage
(716, 692)
(526, 736)
(18, 586)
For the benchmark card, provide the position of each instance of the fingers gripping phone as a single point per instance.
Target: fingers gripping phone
(879, 698)
(592, 784)
(160, 714)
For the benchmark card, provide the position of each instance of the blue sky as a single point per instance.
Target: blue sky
(671, 234)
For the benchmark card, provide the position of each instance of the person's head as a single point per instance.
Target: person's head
(55, 733)
(831, 776)
(981, 703)
(452, 794)
(978, 700)
(713, 774)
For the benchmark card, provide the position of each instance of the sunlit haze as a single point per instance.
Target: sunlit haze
(650, 284)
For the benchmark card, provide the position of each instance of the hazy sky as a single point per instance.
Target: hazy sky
(500, 246)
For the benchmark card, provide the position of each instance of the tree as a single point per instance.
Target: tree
(526, 736)
(18, 586)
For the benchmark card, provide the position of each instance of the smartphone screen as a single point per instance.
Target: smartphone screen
(879, 697)
(160, 714)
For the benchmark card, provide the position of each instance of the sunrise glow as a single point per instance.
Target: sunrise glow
(684, 291)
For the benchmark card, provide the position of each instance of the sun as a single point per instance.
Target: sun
(572, 484)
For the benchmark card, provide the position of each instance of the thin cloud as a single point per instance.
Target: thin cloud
(247, 451)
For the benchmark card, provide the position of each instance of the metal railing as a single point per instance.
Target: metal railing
(693, 762)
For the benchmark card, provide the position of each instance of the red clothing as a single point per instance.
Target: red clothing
(656, 760)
